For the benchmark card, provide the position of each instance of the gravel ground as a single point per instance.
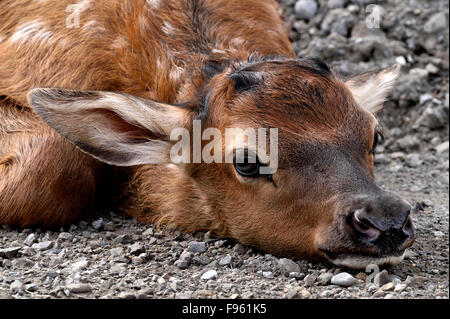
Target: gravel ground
(113, 256)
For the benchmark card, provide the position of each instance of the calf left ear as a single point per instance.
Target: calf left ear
(371, 89)
(116, 128)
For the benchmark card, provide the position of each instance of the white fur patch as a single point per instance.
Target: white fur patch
(167, 28)
(94, 26)
(119, 43)
(32, 31)
(361, 262)
(153, 3)
(176, 73)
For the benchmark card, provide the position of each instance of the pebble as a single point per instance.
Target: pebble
(42, 246)
(225, 261)
(268, 274)
(31, 287)
(310, 280)
(31, 238)
(136, 249)
(344, 279)
(287, 266)
(210, 274)
(9, 253)
(305, 9)
(79, 288)
(324, 279)
(436, 22)
(388, 287)
(197, 247)
(98, 224)
(16, 286)
(123, 239)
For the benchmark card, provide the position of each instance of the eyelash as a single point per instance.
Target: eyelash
(378, 135)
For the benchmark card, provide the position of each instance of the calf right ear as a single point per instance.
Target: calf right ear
(116, 128)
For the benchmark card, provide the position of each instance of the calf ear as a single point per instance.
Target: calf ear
(371, 89)
(116, 128)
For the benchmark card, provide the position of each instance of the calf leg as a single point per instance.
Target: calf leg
(44, 180)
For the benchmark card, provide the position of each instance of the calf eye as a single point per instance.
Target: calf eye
(378, 136)
(246, 163)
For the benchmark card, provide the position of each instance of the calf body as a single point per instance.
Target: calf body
(224, 64)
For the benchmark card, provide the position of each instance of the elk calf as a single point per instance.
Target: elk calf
(117, 86)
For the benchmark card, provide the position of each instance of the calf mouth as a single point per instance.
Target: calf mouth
(357, 261)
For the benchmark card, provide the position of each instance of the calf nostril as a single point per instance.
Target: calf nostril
(363, 225)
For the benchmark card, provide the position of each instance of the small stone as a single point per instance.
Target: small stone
(382, 278)
(79, 288)
(379, 293)
(210, 274)
(122, 239)
(28, 251)
(421, 73)
(239, 249)
(31, 238)
(30, 287)
(305, 9)
(117, 268)
(361, 276)
(438, 233)
(436, 22)
(413, 160)
(9, 253)
(287, 266)
(182, 295)
(136, 249)
(79, 265)
(42, 246)
(197, 247)
(431, 68)
(98, 224)
(400, 287)
(388, 287)
(116, 252)
(441, 148)
(176, 285)
(304, 294)
(184, 260)
(344, 279)
(324, 279)
(292, 294)
(65, 236)
(268, 274)
(201, 260)
(16, 286)
(148, 232)
(310, 280)
(333, 4)
(22, 263)
(126, 295)
(225, 261)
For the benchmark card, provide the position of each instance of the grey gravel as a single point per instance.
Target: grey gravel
(9, 252)
(197, 247)
(305, 9)
(344, 279)
(288, 266)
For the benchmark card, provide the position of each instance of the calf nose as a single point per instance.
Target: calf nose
(381, 217)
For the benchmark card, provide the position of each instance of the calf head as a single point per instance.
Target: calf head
(320, 203)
